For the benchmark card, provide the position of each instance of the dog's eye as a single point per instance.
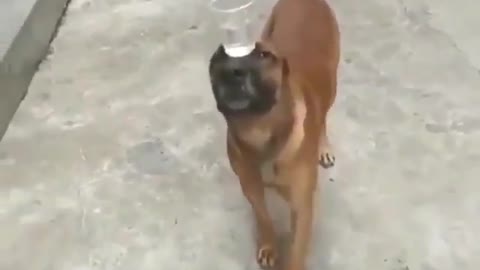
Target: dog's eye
(265, 54)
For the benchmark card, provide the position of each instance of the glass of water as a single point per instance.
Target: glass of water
(235, 20)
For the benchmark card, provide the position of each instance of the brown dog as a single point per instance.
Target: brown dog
(275, 102)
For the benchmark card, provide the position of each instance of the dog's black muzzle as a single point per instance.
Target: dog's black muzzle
(237, 85)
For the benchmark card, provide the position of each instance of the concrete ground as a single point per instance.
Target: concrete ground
(116, 158)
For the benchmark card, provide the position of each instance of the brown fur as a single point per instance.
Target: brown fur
(292, 135)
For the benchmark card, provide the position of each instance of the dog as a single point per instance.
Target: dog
(275, 103)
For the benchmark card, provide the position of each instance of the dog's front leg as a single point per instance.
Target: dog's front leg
(302, 218)
(249, 174)
(302, 191)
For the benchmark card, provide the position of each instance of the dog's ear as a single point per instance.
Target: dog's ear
(218, 54)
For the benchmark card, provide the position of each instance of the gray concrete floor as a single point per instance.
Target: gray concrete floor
(116, 158)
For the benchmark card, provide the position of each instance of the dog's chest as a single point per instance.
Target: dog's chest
(257, 138)
(262, 140)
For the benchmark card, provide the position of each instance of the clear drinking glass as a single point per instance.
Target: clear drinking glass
(236, 23)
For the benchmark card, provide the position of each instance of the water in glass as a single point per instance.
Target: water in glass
(238, 37)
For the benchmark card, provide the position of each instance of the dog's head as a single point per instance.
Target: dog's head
(247, 85)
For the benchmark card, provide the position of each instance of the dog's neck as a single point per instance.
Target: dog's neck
(277, 132)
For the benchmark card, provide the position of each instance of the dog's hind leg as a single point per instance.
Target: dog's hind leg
(326, 156)
(249, 175)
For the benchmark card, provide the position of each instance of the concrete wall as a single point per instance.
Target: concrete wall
(26, 29)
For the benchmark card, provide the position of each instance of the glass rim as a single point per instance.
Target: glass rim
(213, 4)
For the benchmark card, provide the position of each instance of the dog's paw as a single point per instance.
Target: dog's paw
(267, 256)
(326, 159)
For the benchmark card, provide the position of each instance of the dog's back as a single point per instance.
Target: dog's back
(306, 33)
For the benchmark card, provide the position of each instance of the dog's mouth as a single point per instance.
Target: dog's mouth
(236, 101)
(237, 105)
(247, 94)
(237, 96)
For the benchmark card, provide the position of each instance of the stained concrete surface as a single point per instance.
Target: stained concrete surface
(116, 158)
